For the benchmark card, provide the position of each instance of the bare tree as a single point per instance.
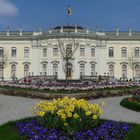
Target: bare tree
(3, 63)
(67, 50)
(131, 63)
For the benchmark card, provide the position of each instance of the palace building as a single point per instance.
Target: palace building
(69, 52)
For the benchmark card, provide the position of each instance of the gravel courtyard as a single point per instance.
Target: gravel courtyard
(12, 108)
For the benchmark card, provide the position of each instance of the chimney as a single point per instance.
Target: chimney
(75, 28)
(129, 30)
(117, 30)
(87, 30)
(40, 31)
(61, 30)
(50, 31)
(8, 31)
(20, 31)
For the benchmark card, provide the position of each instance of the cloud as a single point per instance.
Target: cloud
(7, 9)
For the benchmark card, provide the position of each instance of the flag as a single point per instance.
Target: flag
(69, 10)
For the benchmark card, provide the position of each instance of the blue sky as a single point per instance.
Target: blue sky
(33, 14)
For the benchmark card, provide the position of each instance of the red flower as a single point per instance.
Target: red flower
(130, 99)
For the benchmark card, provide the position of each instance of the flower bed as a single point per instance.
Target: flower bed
(133, 102)
(66, 86)
(13, 91)
(70, 119)
(107, 130)
(68, 114)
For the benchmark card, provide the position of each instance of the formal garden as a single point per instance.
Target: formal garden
(71, 117)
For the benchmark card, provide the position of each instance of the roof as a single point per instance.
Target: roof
(68, 32)
(69, 27)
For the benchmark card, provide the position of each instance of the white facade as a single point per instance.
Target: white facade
(96, 53)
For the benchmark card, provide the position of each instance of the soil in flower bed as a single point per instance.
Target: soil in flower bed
(131, 103)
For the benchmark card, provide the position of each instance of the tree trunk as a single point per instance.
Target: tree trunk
(133, 74)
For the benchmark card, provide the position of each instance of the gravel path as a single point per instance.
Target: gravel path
(12, 108)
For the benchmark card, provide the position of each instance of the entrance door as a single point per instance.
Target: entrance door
(69, 72)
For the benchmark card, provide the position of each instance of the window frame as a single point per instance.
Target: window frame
(124, 71)
(124, 52)
(93, 71)
(13, 70)
(137, 71)
(26, 71)
(93, 51)
(111, 70)
(111, 54)
(82, 51)
(26, 52)
(55, 53)
(136, 52)
(44, 69)
(44, 52)
(55, 69)
(1, 52)
(12, 50)
(82, 69)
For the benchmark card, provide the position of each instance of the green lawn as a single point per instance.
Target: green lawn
(8, 132)
(134, 134)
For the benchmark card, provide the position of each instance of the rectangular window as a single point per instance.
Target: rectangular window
(1, 52)
(26, 52)
(55, 52)
(124, 53)
(136, 54)
(92, 52)
(111, 53)
(13, 52)
(82, 52)
(44, 52)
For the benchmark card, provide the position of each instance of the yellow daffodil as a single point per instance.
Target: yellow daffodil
(94, 117)
(76, 115)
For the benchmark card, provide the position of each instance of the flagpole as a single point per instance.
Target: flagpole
(69, 12)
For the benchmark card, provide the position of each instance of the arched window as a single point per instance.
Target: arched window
(92, 69)
(13, 71)
(13, 52)
(1, 51)
(137, 71)
(44, 69)
(124, 52)
(82, 51)
(92, 51)
(26, 70)
(111, 70)
(111, 52)
(44, 52)
(26, 52)
(82, 69)
(1, 69)
(55, 51)
(124, 71)
(55, 69)
(136, 52)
